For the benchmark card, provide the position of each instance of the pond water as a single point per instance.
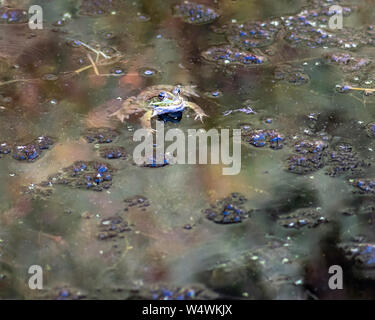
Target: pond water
(106, 228)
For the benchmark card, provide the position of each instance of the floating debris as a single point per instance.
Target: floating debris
(311, 157)
(309, 28)
(40, 191)
(5, 148)
(228, 210)
(112, 227)
(63, 292)
(90, 175)
(170, 292)
(13, 16)
(112, 153)
(348, 62)
(104, 57)
(365, 185)
(344, 160)
(100, 135)
(263, 137)
(139, 202)
(195, 13)
(97, 8)
(229, 55)
(31, 151)
(247, 110)
(367, 210)
(362, 256)
(27, 152)
(292, 75)
(304, 217)
(246, 36)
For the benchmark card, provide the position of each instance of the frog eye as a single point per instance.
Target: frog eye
(162, 95)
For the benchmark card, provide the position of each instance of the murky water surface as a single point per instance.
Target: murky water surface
(73, 202)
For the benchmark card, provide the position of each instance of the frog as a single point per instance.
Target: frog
(159, 100)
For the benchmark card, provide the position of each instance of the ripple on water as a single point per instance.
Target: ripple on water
(147, 72)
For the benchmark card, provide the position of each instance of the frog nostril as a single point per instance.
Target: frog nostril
(177, 90)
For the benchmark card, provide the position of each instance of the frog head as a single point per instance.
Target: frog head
(167, 102)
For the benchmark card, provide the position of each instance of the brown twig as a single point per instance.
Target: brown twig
(99, 63)
(93, 64)
(362, 89)
(17, 80)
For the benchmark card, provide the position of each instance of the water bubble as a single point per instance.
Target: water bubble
(74, 43)
(213, 94)
(118, 71)
(143, 17)
(109, 35)
(147, 72)
(59, 23)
